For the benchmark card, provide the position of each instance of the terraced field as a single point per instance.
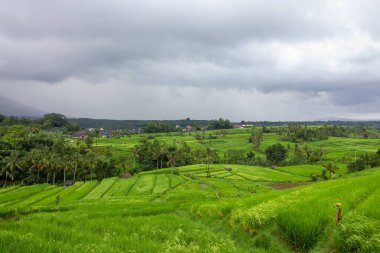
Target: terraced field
(336, 149)
(159, 211)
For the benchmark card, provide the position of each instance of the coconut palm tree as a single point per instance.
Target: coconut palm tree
(66, 165)
(75, 165)
(47, 164)
(54, 165)
(11, 164)
(92, 162)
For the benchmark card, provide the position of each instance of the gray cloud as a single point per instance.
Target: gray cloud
(325, 51)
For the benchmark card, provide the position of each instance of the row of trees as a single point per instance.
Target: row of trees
(31, 155)
(48, 121)
(364, 162)
(149, 155)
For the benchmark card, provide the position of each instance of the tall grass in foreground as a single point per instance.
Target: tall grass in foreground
(111, 229)
(303, 214)
(360, 230)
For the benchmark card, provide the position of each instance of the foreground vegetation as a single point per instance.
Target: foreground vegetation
(256, 189)
(189, 212)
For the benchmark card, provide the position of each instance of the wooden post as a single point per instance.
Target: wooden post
(338, 216)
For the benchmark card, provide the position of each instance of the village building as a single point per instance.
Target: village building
(79, 135)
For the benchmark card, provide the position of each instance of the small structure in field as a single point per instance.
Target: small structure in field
(188, 128)
(68, 183)
(127, 175)
(79, 135)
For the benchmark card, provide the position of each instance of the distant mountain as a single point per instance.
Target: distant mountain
(11, 107)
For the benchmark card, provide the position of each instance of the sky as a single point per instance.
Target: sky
(203, 59)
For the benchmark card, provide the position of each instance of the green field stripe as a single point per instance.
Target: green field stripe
(154, 184)
(170, 180)
(79, 192)
(26, 200)
(172, 188)
(102, 187)
(211, 170)
(89, 191)
(132, 185)
(63, 194)
(5, 190)
(10, 202)
(239, 174)
(104, 193)
(45, 197)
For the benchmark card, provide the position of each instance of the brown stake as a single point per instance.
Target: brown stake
(338, 216)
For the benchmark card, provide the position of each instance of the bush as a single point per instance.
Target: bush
(276, 154)
(357, 165)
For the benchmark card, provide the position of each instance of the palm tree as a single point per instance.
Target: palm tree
(172, 157)
(11, 164)
(47, 164)
(92, 162)
(75, 165)
(40, 166)
(65, 167)
(54, 165)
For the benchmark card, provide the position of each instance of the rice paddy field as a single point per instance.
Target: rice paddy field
(250, 209)
(336, 149)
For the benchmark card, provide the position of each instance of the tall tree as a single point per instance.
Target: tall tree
(11, 165)
(276, 154)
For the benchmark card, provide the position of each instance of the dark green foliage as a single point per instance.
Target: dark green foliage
(365, 161)
(134, 124)
(235, 156)
(297, 132)
(256, 139)
(357, 165)
(158, 127)
(276, 154)
(262, 240)
(52, 120)
(155, 154)
(324, 175)
(220, 124)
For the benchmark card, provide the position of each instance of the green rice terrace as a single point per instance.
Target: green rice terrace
(246, 209)
(287, 188)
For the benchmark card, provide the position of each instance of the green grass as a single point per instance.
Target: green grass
(80, 192)
(171, 213)
(120, 188)
(144, 186)
(337, 150)
(101, 189)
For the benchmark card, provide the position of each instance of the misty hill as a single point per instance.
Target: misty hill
(11, 107)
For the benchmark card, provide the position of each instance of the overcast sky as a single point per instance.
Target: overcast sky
(146, 59)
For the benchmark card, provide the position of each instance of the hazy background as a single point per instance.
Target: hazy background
(244, 60)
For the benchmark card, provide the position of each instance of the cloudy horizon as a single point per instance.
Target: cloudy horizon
(242, 60)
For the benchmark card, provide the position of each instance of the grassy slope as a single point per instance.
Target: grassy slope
(183, 214)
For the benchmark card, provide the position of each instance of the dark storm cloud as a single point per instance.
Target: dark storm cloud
(307, 48)
(65, 38)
